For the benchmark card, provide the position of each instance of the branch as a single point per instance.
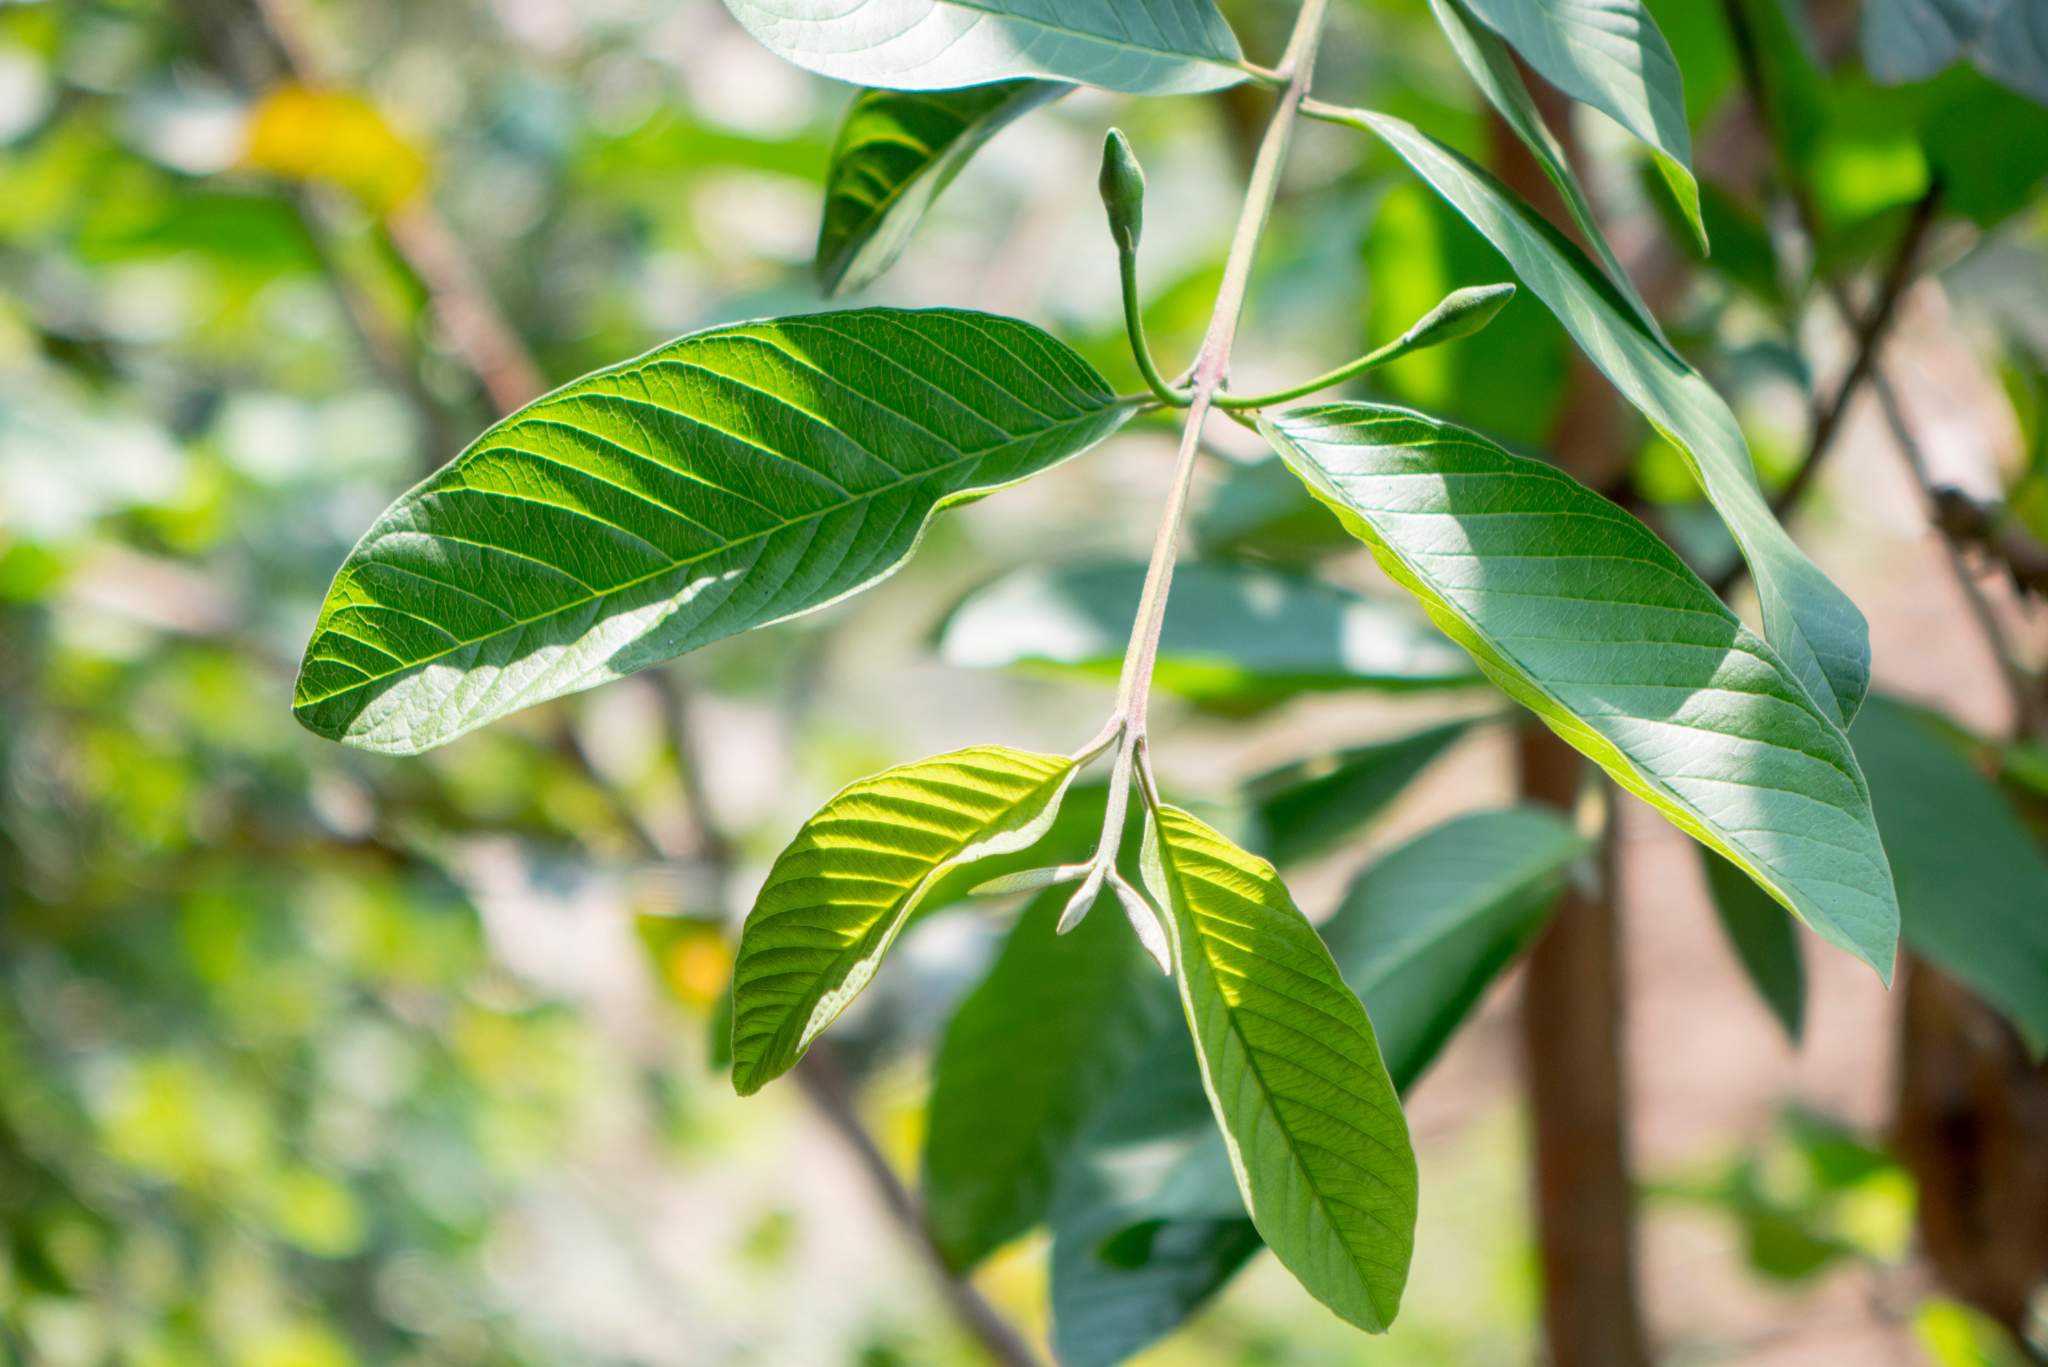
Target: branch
(823, 1082)
(1212, 365)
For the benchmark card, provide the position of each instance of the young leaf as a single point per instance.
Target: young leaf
(836, 898)
(1811, 622)
(897, 151)
(1051, 1030)
(1147, 1223)
(733, 478)
(1973, 883)
(1765, 942)
(1609, 54)
(1582, 615)
(1315, 1133)
(1234, 634)
(1422, 933)
(1310, 805)
(1492, 68)
(1160, 47)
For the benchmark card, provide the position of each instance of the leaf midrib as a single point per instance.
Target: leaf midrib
(520, 623)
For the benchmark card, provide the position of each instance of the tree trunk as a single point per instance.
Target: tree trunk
(1973, 1130)
(1572, 1056)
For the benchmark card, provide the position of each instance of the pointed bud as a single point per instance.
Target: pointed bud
(1123, 190)
(1459, 314)
(1083, 898)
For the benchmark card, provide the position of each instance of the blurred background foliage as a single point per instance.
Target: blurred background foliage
(310, 1059)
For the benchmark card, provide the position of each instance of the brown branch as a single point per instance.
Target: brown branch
(823, 1082)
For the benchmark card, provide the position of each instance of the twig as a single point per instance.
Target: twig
(1868, 334)
(822, 1081)
(1950, 512)
(1212, 365)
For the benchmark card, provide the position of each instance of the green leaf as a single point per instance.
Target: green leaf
(1147, 1223)
(1609, 54)
(1029, 1054)
(1234, 634)
(897, 151)
(1973, 882)
(1308, 806)
(1314, 1130)
(1492, 68)
(1160, 47)
(1811, 622)
(1765, 942)
(836, 898)
(1910, 40)
(730, 479)
(1581, 614)
(1422, 933)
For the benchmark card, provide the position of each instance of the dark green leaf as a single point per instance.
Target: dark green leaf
(1030, 1053)
(1424, 931)
(1160, 47)
(733, 478)
(1308, 806)
(1609, 54)
(837, 897)
(897, 151)
(1492, 68)
(1581, 614)
(1765, 941)
(1811, 622)
(1973, 882)
(1234, 633)
(1314, 1130)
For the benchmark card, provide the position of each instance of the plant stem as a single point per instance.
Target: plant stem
(1134, 328)
(1350, 369)
(1212, 363)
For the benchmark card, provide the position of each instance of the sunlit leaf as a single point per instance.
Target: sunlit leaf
(1314, 1130)
(1310, 805)
(836, 898)
(1051, 1030)
(1148, 1222)
(735, 477)
(897, 151)
(1233, 633)
(1608, 54)
(1811, 623)
(1582, 615)
(1765, 941)
(1160, 47)
(1423, 932)
(1973, 882)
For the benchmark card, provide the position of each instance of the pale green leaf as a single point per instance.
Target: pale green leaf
(1608, 54)
(1234, 633)
(1492, 68)
(1911, 40)
(897, 151)
(1766, 942)
(1029, 1053)
(1973, 881)
(1157, 47)
(1308, 806)
(730, 479)
(1811, 622)
(837, 897)
(1422, 933)
(1147, 1223)
(1314, 1130)
(1581, 614)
